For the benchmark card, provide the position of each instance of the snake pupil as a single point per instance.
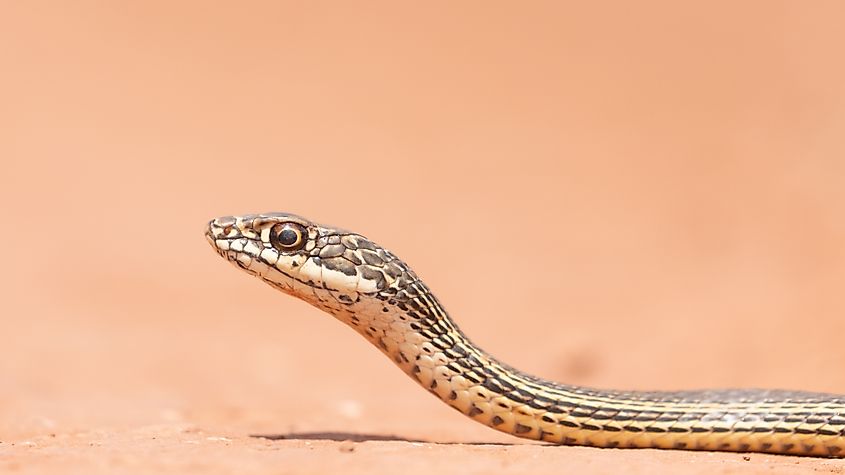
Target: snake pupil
(288, 237)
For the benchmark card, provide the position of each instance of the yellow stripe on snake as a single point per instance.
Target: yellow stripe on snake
(368, 288)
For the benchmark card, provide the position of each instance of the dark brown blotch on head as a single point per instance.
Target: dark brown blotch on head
(497, 420)
(352, 257)
(365, 244)
(371, 258)
(349, 241)
(341, 265)
(332, 250)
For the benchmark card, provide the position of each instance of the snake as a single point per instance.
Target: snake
(371, 290)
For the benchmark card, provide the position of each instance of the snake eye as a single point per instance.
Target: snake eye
(287, 236)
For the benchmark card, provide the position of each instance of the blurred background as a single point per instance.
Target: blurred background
(644, 196)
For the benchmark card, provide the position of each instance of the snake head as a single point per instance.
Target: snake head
(332, 269)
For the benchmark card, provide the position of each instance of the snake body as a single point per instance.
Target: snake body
(368, 288)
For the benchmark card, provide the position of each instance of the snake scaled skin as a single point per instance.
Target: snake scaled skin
(378, 295)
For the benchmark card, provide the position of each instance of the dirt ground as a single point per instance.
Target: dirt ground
(641, 195)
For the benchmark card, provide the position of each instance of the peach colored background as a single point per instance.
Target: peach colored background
(639, 195)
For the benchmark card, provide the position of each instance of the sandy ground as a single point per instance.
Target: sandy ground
(647, 197)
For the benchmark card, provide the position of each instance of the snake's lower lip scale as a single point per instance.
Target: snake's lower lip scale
(366, 287)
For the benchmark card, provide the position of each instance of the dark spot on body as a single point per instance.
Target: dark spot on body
(521, 429)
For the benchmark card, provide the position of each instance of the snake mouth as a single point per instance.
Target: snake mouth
(210, 238)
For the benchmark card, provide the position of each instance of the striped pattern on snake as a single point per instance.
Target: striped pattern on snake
(368, 288)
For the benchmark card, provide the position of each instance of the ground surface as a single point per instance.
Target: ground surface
(644, 197)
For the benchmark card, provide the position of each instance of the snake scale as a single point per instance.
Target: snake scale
(368, 288)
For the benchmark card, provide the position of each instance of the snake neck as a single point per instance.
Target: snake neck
(410, 326)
